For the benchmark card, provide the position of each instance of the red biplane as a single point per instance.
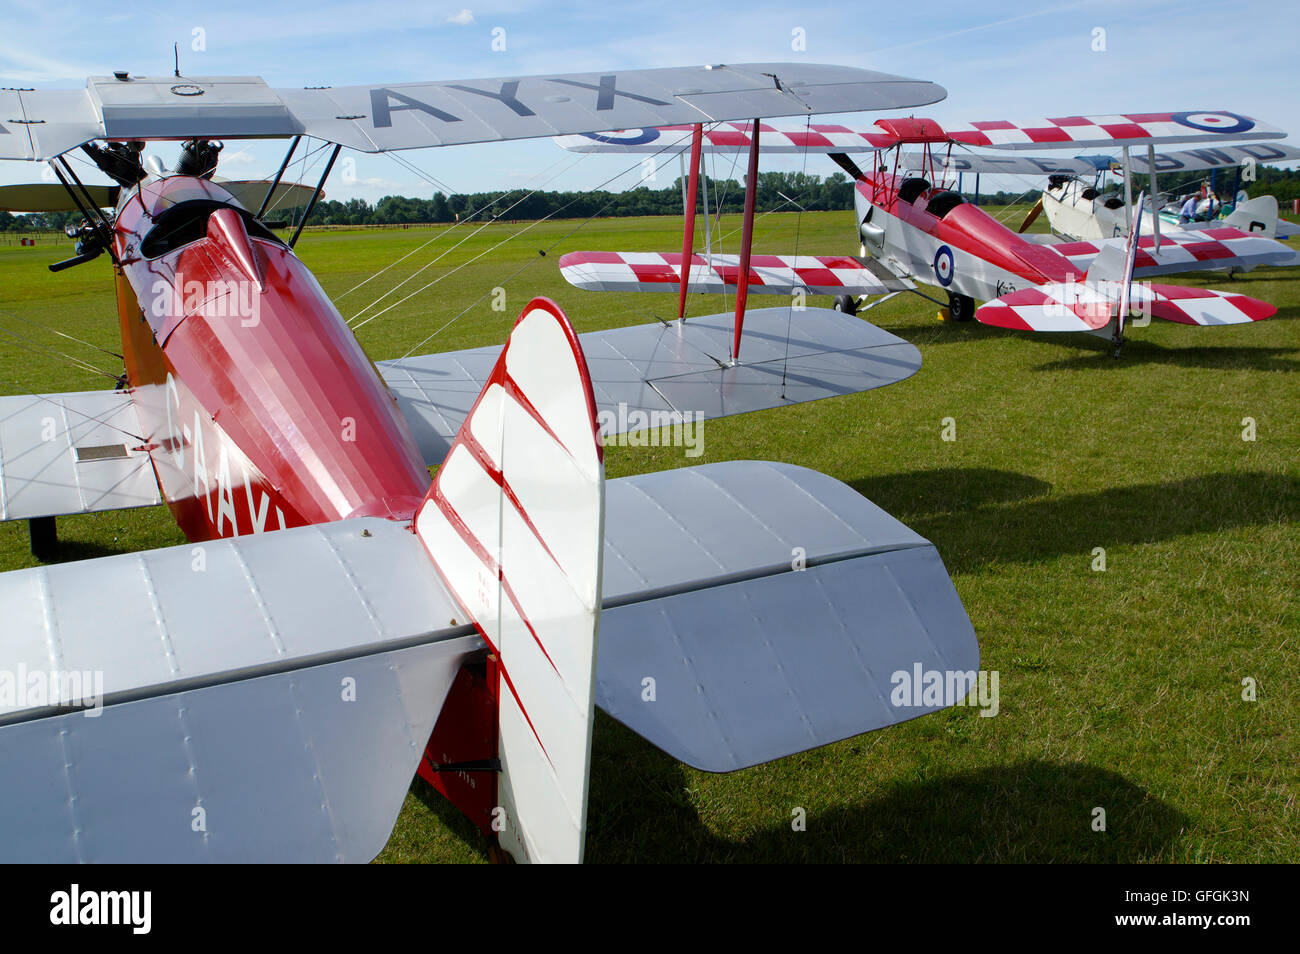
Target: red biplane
(917, 227)
(269, 696)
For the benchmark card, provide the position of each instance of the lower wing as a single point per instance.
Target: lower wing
(1211, 249)
(769, 274)
(673, 373)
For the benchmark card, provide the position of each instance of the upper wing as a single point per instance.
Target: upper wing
(776, 138)
(769, 274)
(1129, 129)
(72, 453)
(42, 124)
(1214, 157)
(1180, 251)
(653, 376)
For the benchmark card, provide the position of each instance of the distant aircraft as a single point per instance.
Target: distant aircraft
(911, 229)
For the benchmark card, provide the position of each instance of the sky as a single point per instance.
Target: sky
(998, 60)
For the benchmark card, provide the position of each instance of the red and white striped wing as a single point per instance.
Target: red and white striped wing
(1084, 306)
(1182, 251)
(1058, 306)
(1201, 306)
(776, 138)
(769, 274)
(1128, 129)
(514, 523)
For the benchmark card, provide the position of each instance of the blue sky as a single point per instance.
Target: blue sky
(997, 60)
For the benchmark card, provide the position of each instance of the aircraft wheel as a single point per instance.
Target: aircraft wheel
(847, 304)
(961, 307)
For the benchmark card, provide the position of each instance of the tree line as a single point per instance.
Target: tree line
(777, 191)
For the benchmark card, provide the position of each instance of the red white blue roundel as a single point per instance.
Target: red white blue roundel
(943, 266)
(625, 137)
(1217, 122)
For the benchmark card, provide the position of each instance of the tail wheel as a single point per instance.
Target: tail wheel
(847, 304)
(961, 307)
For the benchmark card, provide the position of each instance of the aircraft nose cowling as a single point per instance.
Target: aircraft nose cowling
(227, 232)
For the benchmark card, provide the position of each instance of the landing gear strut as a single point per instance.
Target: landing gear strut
(960, 307)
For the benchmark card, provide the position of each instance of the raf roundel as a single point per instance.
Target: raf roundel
(625, 137)
(1218, 122)
(943, 266)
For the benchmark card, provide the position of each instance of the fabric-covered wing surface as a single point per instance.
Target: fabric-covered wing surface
(642, 375)
(769, 275)
(285, 684)
(42, 124)
(771, 606)
(72, 453)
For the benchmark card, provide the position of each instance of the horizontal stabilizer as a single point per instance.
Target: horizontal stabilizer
(1089, 306)
(652, 376)
(265, 698)
(769, 614)
(769, 274)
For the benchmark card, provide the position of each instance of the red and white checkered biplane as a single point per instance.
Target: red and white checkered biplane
(918, 227)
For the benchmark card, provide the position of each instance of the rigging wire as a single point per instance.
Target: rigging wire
(798, 223)
(527, 265)
(496, 218)
(511, 238)
(446, 232)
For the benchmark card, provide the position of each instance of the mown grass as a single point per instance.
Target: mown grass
(1120, 689)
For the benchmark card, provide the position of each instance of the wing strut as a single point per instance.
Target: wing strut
(688, 231)
(306, 214)
(1128, 189)
(1155, 198)
(293, 146)
(746, 240)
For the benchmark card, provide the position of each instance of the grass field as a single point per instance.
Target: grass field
(1120, 689)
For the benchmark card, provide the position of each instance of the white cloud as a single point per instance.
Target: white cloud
(464, 18)
(241, 158)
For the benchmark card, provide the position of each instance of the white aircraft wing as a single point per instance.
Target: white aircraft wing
(1215, 157)
(652, 376)
(41, 124)
(76, 452)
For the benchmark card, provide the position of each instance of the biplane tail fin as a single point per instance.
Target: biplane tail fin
(514, 522)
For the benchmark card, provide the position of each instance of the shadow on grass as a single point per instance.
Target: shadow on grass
(1096, 353)
(1032, 811)
(920, 493)
(978, 531)
(449, 815)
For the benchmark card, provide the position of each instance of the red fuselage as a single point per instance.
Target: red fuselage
(260, 408)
